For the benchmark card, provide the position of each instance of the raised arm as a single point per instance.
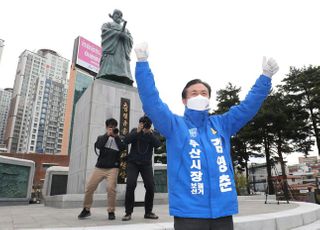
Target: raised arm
(130, 137)
(240, 115)
(153, 106)
(101, 141)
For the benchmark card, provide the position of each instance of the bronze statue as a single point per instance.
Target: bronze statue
(116, 43)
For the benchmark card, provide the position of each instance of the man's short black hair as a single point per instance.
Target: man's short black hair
(145, 119)
(111, 122)
(193, 82)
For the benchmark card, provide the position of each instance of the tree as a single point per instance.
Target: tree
(262, 139)
(227, 98)
(240, 152)
(243, 148)
(241, 144)
(299, 129)
(303, 87)
(281, 127)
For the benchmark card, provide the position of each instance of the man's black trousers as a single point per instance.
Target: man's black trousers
(222, 223)
(133, 170)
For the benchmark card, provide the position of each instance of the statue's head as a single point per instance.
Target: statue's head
(116, 16)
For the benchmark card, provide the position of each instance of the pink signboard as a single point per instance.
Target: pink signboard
(89, 55)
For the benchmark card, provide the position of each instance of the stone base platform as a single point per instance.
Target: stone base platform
(254, 214)
(99, 200)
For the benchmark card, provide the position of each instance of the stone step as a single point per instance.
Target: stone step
(313, 226)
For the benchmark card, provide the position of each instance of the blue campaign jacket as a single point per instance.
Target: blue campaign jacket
(200, 173)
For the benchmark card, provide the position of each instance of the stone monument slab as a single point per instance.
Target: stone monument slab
(16, 180)
(55, 181)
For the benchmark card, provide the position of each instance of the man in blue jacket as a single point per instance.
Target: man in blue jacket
(201, 187)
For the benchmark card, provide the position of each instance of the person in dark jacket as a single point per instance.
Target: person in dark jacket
(107, 167)
(143, 140)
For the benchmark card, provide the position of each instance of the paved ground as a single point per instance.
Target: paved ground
(37, 216)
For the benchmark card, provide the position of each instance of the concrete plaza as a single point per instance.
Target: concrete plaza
(253, 214)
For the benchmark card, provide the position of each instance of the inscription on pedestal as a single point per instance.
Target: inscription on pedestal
(13, 181)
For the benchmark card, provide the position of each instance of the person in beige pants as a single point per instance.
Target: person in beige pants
(107, 167)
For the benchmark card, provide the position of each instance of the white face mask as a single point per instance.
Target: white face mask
(199, 103)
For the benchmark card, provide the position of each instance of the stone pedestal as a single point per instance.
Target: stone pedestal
(102, 100)
(55, 181)
(16, 180)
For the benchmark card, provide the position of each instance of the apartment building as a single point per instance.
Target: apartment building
(36, 116)
(5, 98)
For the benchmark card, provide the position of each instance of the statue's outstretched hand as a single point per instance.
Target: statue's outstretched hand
(142, 52)
(269, 67)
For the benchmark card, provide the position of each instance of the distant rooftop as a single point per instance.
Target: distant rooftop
(46, 51)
